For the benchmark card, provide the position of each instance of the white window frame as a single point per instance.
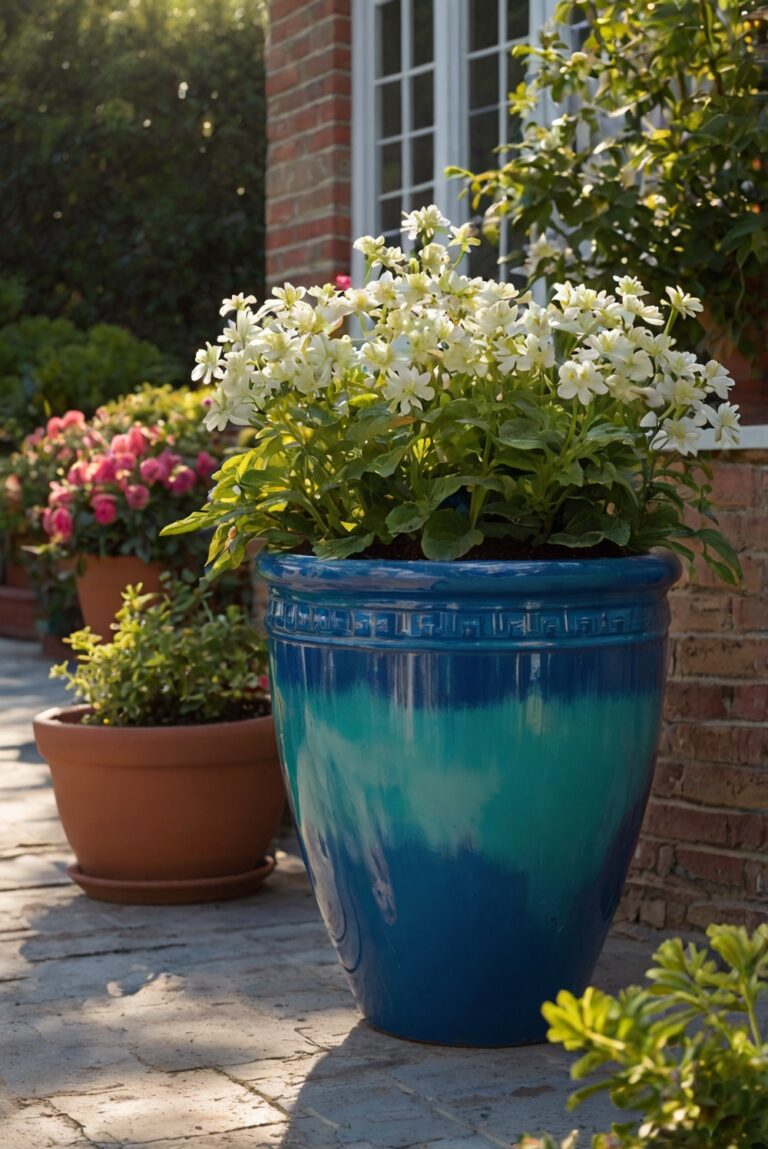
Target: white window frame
(451, 101)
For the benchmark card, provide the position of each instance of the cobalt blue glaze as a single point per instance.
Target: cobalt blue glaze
(468, 749)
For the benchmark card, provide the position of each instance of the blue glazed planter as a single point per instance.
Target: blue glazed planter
(468, 749)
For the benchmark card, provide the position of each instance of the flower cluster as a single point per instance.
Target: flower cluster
(115, 483)
(462, 412)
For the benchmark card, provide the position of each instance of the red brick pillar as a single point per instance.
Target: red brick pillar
(308, 73)
(703, 854)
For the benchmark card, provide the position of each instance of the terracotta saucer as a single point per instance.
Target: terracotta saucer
(169, 892)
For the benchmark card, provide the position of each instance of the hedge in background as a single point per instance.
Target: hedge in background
(132, 158)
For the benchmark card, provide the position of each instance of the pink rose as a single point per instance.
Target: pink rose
(78, 474)
(65, 454)
(59, 495)
(137, 441)
(152, 471)
(206, 465)
(125, 461)
(169, 461)
(36, 437)
(182, 480)
(137, 496)
(73, 419)
(104, 509)
(57, 522)
(104, 470)
(54, 426)
(343, 282)
(120, 444)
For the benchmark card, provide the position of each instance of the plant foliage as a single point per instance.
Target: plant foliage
(463, 421)
(688, 1055)
(172, 661)
(653, 161)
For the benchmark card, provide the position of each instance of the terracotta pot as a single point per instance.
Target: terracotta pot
(101, 581)
(166, 810)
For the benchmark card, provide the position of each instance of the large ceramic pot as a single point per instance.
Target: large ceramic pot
(167, 813)
(101, 580)
(468, 757)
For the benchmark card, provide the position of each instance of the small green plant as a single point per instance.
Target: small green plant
(172, 661)
(690, 1055)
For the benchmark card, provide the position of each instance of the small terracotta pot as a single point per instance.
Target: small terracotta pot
(102, 582)
(164, 804)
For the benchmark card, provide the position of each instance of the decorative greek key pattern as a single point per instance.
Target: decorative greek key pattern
(531, 626)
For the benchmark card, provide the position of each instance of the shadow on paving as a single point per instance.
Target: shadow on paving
(380, 1091)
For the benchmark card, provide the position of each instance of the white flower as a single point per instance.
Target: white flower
(632, 308)
(238, 333)
(681, 434)
(716, 379)
(725, 420)
(407, 386)
(207, 360)
(581, 381)
(541, 248)
(236, 303)
(463, 237)
(372, 248)
(683, 303)
(434, 257)
(424, 222)
(629, 285)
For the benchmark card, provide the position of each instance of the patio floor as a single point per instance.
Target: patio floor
(225, 1026)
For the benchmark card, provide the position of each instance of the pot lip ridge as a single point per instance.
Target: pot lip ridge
(643, 574)
(51, 718)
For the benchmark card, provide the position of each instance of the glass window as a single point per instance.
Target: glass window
(388, 37)
(422, 34)
(483, 24)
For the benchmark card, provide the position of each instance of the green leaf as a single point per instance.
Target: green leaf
(343, 548)
(406, 518)
(447, 536)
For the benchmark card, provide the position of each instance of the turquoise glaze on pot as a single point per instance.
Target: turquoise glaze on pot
(468, 749)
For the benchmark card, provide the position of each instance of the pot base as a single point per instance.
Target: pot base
(188, 891)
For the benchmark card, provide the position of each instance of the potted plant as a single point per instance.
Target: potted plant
(167, 780)
(105, 512)
(467, 614)
(655, 160)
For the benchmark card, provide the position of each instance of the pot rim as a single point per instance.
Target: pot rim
(650, 574)
(51, 719)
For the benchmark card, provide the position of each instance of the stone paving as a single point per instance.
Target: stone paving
(224, 1026)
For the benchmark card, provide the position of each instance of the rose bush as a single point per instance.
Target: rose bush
(464, 420)
(121, 490)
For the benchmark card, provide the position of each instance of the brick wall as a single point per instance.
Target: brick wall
(309, 140)
(703, 853)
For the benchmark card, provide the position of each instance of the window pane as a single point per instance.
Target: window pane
(390, 114)
(483, 138)
(390, 167)
(483, 24)
(515, 76)
(389, 211)
(423, 33)
(518, 26)
(484, 82)
(422, 197)
(422, 158)
(389, 38)
(483, 260)
(422, 99)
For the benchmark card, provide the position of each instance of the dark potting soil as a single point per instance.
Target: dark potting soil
(404, 548)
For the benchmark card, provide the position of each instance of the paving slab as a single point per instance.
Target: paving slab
(225, 1026)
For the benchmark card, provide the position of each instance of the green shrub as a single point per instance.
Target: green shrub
(172, 661)
(48, 366)
(688, 1055)
(132, 159)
